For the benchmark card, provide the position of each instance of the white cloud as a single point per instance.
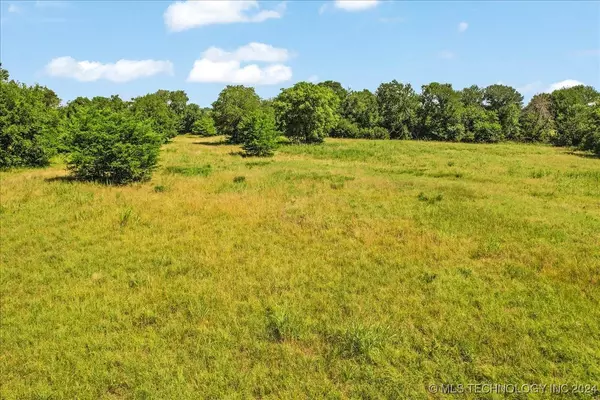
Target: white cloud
(184, 15)
(355, 5)
(250, 52)
(463, 26)
(13, 8)
(567, 83)
(447, 55)
(313, 78)
(121, 71)
(218, 65)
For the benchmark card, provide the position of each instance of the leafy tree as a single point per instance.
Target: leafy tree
(234, 102)
(481, 125)
(30, 124)
(472, 96)
(260, 133)
(571, 109)
(506, 102)
(537, 121)
(204, 125)
(398, 105)
(306, 112)
(3, 74)
(155, 108)
(591, 141)
(441, 113)
(345, 129)
(361, 108)
(337, 88)
(111, 146)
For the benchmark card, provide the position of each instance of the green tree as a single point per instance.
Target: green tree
(234, 102)
(441, 113)
(306, 112)
(30, 124)
(361, 108)
(260, 133)
(537, 121)
(155, 108)
(111, 146)
(398, 105)
(472, 96)
(337, 88)
(204, 125)
(3, 74)
(591, 140)
(506, 102)
(345, 129)
(481, 125)
(571, 110)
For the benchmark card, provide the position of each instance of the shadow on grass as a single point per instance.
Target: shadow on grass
(583, 154)
(63, 179)
(219, 143)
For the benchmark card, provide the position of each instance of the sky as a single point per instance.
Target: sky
(100, 48)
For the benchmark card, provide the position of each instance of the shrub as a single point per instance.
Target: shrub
(30, 125)
(111, 146)
(345, 129)
(376, 132)
(259, 133)
(204, 126)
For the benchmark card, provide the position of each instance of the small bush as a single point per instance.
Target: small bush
(204, 126)
(259, 134)
(375, 132)
(345, 129)
(111, 147)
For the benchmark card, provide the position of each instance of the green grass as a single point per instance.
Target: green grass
(354, 269)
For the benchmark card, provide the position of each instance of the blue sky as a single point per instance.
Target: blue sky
(75, 47)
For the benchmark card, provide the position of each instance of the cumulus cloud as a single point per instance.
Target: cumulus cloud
(567, 83)
(220, 66)
(121, 71)
(250, 52)
(189, 14)
(463, 26)
(355, 5)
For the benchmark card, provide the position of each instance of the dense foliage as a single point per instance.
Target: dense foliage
(110, 139)
(260, 133)
(306, 113)
(233, 104)
(30, 124)
(111, 146)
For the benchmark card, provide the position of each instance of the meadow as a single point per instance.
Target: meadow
(352, 269)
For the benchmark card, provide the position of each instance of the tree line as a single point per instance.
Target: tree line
(111, 140)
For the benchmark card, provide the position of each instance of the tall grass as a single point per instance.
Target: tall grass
(355, 269)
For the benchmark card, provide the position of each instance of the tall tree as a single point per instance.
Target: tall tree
(507, 103)
(441, 113)
(337, 88)
(571, 109)
(537, 121)
(306, 112)
(155, 108)
(361, 108)
(234, 102)
(398, 105)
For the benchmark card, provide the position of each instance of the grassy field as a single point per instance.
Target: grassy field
(355, 269)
